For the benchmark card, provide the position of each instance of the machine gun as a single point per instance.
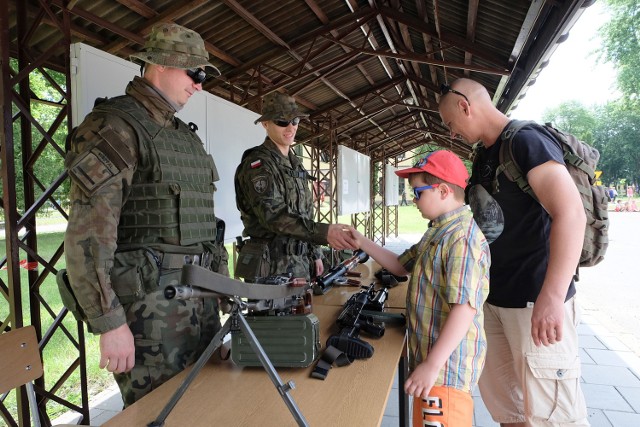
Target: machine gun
(206, 283)
(325, 282)
(299, 303)
(354, 318)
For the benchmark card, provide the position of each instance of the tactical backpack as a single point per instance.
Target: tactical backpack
(581, 160)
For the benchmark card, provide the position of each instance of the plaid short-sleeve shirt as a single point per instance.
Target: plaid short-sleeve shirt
(450, 265)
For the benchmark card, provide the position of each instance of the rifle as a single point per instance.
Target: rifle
(325, 282)
(363, 311)
(353, 319)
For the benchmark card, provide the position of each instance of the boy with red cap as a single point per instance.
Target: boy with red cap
(449, 283)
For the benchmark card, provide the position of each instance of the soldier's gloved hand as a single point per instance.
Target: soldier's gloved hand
(339, 237)
(117, 352)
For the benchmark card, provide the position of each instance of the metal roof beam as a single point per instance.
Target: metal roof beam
(445, 37)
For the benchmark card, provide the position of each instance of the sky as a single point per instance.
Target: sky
(573, 72)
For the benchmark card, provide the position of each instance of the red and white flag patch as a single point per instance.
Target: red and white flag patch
(256, 164)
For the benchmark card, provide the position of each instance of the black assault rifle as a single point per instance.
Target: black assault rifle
(325, 282)
(354, 318)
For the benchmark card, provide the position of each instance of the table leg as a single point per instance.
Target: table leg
(403, 400)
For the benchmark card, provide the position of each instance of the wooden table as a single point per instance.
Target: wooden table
(223, 394)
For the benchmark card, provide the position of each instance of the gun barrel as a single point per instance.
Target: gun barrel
(183, 292)
(326, 280)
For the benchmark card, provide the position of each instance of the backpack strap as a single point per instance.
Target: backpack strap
(569, 156)
(575, 160)
(508, 164)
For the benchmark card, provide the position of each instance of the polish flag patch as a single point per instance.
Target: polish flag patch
(256, 164)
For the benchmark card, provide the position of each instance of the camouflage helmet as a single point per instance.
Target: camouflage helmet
(279, 106)
(172, 45)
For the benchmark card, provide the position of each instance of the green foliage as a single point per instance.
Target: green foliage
(425, 149)
(613, 129)
(572, 117)
(617, 134)
(49, 164)
(621, 46)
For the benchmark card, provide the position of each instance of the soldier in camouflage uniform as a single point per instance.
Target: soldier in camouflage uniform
(275, 201)
(142, 190)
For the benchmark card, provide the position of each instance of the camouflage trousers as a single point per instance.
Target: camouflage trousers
(169, 335)
(299, 265)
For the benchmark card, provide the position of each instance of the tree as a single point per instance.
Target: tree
(613, 129)
(50, 163)
(617, 136)
(621, 46)
(574, 118)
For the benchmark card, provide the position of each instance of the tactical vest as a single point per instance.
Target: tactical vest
(173, 203)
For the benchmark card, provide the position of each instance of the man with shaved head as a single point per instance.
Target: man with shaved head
(532, 372)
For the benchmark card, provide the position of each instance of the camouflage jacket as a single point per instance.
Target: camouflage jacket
(92, 236)
(274, 199)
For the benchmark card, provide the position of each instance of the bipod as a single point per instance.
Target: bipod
(235, 322)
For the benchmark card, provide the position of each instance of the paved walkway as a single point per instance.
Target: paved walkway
(608, 342)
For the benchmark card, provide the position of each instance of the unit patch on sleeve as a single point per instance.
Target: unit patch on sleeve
(260, 183)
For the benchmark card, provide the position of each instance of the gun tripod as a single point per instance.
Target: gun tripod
(235, 322)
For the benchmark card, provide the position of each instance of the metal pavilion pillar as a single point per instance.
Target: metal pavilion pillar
(393, 212)
(329, 155)
(364, 221)
(25, 140)
(326, 212)
(377, 217)
(390, 212)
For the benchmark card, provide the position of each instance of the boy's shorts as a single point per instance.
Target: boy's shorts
(524, 383)
(445, 407)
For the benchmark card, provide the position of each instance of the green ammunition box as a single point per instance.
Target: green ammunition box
(291, 341)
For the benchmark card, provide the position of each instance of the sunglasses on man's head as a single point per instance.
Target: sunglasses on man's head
(445, 89)
(285, 123)
(198, 75)
(418, 190)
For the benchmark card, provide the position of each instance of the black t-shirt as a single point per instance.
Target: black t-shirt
(516, 225)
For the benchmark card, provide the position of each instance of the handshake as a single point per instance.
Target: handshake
(342, 236)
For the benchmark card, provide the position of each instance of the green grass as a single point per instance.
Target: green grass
(410, 220)
(59, 353)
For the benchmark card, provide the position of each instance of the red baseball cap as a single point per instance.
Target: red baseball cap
(442, 164)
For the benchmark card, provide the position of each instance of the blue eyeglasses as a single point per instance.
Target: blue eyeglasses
(198, 75)
(418, 190)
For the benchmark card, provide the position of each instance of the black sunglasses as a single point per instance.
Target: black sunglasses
(198, 75)
(445, 89)
(285, 123)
